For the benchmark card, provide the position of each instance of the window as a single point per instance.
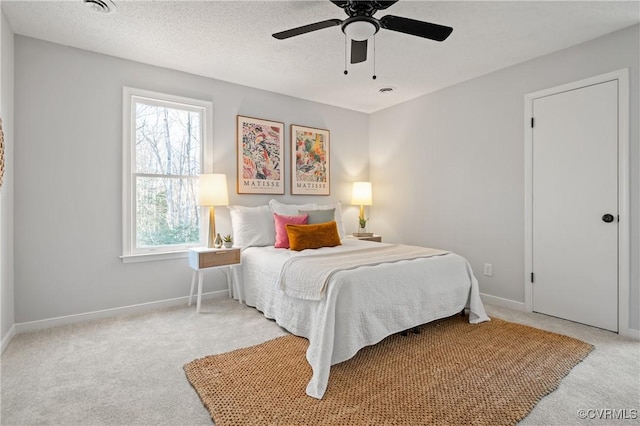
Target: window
(163, 147)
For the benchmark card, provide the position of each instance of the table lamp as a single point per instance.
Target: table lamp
(212, 191)
(362, 195)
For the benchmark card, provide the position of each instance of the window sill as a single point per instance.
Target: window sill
(152, 257)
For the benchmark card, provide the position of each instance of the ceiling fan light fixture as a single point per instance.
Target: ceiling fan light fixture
(360, 30)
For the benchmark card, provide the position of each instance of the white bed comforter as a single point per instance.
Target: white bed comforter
(307, 277)
(361, 306)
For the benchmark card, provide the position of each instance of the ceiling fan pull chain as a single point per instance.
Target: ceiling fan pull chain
(374, 57)
(345, 55)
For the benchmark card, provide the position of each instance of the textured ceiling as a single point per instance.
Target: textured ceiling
(231, 41)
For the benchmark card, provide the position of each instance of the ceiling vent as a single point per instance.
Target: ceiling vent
(100, 6)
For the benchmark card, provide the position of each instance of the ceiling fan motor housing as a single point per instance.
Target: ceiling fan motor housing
(363, 8)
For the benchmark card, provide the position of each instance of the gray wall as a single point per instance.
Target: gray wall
(6, 192)
(68, 198)
(448, 167)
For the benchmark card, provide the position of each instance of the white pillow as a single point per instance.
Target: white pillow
(252, 226)
(292, 210)
(289, 209)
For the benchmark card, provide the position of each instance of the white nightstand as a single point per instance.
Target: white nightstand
(374, 237)
(205, 258)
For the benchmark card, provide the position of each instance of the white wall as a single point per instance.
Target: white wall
(6, 192)
(448, 167)
(68, 119)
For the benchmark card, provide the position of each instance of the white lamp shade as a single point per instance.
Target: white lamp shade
(212, 190)
(360, 30)
(362, 194)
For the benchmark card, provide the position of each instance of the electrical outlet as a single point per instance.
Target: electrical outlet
(488, 269)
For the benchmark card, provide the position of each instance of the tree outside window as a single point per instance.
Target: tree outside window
(166, 147)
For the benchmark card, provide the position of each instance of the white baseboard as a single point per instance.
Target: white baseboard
(519, 306)
(505, 303)
(108, 313)
(632, 334)
(6, 339)
(124, 310)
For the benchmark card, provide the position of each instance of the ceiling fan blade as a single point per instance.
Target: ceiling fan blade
(417, 28)
(307, 28)
(358, 51)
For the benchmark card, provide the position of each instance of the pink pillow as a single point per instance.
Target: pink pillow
(282, 239)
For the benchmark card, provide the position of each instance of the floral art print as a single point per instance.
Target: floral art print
(260, 154)
(310, 161)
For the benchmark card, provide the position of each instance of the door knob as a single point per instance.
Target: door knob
(608, 218)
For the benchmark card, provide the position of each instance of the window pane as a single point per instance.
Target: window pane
(167, 213)
(167, 140)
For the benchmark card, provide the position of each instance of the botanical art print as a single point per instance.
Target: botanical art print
(260, 153)
(310, 161)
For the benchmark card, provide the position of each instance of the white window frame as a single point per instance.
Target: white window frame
(129, 98)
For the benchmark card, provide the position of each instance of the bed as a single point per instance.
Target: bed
(357, 305)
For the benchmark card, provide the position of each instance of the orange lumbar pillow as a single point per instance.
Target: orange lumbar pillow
(303, 237)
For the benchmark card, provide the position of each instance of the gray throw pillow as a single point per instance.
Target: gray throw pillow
(319, 216)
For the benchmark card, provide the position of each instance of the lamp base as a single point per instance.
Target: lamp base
(212, 228)
(363, 234)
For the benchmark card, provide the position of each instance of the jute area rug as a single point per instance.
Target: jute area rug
(452, 373)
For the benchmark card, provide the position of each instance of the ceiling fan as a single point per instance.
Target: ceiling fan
(361, 25)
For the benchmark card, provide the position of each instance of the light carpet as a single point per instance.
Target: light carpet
(452, 372)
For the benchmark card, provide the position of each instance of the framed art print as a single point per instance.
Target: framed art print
(309, 161)
(260, 146)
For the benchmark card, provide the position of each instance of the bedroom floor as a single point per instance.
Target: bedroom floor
(128, 370)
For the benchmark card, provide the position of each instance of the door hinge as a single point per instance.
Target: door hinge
(532, 121)
(532, 277)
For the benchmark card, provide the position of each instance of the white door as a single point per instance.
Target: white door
(575, 203)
